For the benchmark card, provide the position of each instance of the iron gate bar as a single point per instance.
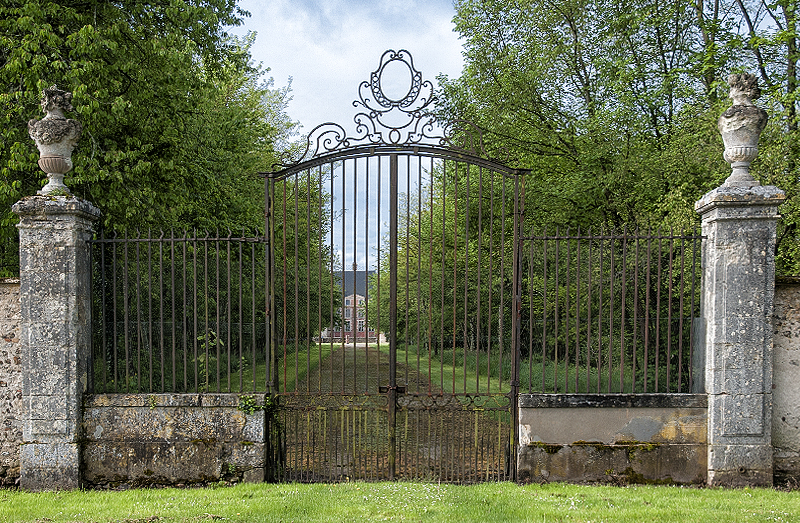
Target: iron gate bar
(680, 322)
(392, 393)
(622, 311)
(443, 276)
(588, 324)
(602, 279)
(691, 325)
(567, 310)
(669, 309)
(125, 301)
(342, 155)
(636, 308)
(344, 290)
(647, 316)
(658, 311)
(514, 393)
(466, 273)
(600, 324)
(578, 308)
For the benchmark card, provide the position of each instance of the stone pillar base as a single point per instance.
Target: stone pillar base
(256, 475)
(740, 465)
(50, 466)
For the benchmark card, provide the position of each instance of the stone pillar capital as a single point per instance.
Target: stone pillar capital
(727, 197)
(47, 207)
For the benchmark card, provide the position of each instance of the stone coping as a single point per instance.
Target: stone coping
(9, 281)
(168, 400)
(560, 401)
(726, 196)
(40, 206)
(656, 400)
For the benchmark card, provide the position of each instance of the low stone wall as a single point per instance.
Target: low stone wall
(172, 439)
(10, 382)
(786, 380)
(629, 438)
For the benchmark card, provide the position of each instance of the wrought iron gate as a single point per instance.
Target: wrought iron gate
(394, 281)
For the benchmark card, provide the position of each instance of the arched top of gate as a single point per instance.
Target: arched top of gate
(394, 119)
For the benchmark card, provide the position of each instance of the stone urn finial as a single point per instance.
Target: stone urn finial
(55, 137)
(741, 126)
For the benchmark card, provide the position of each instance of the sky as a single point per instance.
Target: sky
(328, 47)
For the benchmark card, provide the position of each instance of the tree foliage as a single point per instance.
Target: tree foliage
(176, 118)
(613, 105)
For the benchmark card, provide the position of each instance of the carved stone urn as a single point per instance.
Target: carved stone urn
(55, 137)
(741, 126)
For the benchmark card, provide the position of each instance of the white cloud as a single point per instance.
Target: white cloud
(328, 47)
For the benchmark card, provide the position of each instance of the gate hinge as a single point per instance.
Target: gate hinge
(384, 389)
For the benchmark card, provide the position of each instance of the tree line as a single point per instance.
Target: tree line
(177, 119)
(613, 105)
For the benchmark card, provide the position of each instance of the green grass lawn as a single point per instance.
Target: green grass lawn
(468, 372)
(491, 502)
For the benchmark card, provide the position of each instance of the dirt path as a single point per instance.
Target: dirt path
(361, 370)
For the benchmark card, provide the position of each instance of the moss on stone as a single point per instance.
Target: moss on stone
(547, 447)
(631, 476)
(598, 445)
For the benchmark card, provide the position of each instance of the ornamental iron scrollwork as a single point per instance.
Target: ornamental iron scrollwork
(405, 121)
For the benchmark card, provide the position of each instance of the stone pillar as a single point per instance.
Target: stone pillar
(56, 307)
(738, 222)
(738, 292)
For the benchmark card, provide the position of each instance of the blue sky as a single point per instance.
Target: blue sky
(328, 47)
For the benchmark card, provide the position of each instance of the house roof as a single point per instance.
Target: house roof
(357, 278)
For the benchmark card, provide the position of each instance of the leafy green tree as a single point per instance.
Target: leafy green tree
(613, 105)
(592, 96)
(176, 119)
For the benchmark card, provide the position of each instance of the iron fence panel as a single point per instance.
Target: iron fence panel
(609, 312)
(179, 313)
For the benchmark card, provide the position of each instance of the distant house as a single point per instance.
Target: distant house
(353, 311)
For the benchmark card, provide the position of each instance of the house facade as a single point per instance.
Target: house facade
(354, 327)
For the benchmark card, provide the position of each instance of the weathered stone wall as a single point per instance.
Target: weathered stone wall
(171, 439)
(10, 382)
(654, 438)
(786, 380)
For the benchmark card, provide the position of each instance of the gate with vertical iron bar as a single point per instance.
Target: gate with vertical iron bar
(393, 277)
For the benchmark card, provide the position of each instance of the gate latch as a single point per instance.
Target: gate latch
(384, 389)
